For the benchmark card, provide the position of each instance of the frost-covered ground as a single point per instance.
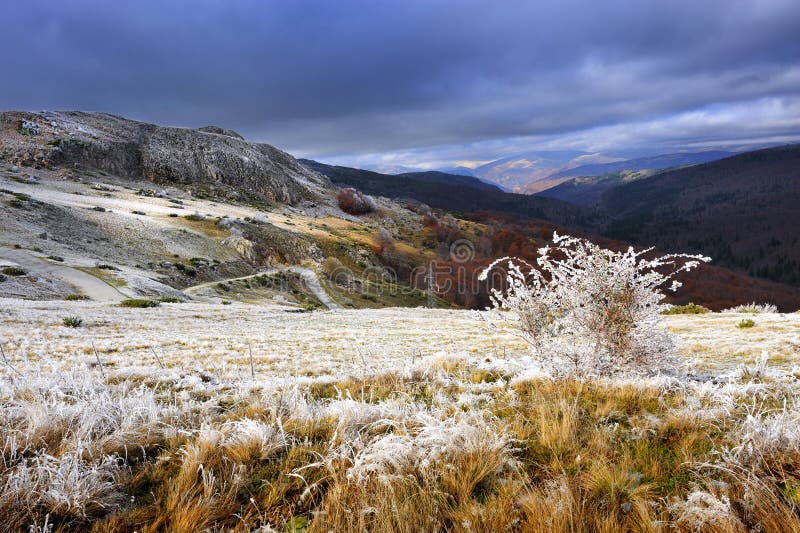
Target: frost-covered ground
(218, 338)
(382, 420)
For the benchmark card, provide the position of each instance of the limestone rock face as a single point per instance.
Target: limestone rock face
(220, 131)
(211, 161)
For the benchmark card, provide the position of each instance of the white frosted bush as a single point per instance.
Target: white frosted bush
(590, 311)
(752, 308)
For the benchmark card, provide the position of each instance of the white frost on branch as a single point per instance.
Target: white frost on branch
(587, 310)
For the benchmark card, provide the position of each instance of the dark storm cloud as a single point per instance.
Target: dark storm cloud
(328, 77)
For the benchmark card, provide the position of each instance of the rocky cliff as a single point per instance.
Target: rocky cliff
(209, 160)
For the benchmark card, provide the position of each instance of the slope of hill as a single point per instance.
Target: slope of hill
(456, 193)
(588, 190)
(210, 160)
(742, 211)
(156, 211)
(645, 163)
(579, 184)
(432, 176)
(520, 170)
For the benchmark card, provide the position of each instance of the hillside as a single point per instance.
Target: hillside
(514, 226)
(211, 160)
(589, 190)
(113, 208)
(343, 173)
(645, 163)
(741, 210)
(532, 168)
(461, 194)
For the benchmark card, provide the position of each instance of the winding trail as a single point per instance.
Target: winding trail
(93, 287)
(309, 279)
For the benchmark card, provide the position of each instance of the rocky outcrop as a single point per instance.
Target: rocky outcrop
(220, 131)
(209, 161)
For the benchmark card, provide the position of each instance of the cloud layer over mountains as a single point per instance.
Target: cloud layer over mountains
(420, 82)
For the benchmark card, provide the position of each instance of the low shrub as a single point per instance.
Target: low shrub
(688, 309)
(13, 271)
(170, 300)
(75, 297)
(139, 302)
(107, 267)
(745, 323)
(196, 217)
(606, 302)
(189, 271)
(355, 202)
(752, 309)
(72, 321)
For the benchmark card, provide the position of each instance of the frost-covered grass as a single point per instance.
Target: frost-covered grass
(390, 420)
(752, 308)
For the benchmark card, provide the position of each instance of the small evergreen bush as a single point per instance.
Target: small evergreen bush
(139, 302)
(72, 321)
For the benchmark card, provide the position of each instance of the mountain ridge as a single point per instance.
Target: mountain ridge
(218, 162)
(741, 210)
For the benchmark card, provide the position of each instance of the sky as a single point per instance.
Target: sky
(420, 83)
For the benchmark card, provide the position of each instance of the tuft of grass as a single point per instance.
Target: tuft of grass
(746, 323)
(13, 271)
(72, 321)
(688, 309)
(141, 303)
(16, 203)
(75, 297)
(185, 269)
(170, 300)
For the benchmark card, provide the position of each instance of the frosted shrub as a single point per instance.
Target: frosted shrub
(590, 311)
(752, 308)
(355, 202)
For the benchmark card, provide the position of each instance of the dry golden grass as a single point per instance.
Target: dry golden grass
(437, 443)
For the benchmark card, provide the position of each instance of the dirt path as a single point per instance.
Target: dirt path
(94, 288)
(312, 282)
(309, 278)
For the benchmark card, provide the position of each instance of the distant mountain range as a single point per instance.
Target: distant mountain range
(520, 171)
(591, 181)
(588, 190)
(740, 210)
(645, 163)
(533, 172)
(453, 192)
